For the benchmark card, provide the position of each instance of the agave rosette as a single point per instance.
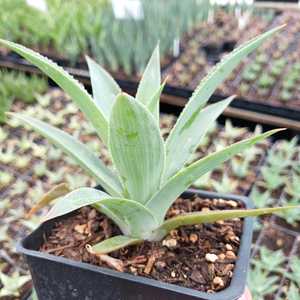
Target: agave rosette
(150, 172)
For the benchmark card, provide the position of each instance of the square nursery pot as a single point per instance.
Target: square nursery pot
(58, 278)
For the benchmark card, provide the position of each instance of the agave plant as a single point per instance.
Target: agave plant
(150, 172)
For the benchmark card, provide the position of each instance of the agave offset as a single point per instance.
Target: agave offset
(150, 173)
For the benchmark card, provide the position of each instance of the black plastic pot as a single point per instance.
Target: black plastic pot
(213, 52)
(58, 278)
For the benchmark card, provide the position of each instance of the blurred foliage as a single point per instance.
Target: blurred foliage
(15, 85)
(70, 29)
(65, 27)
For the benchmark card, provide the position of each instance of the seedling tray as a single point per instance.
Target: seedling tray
(80, 71)
(25, 178)
(286, 117)
(275, 234)
(239, 103)
(181, 75)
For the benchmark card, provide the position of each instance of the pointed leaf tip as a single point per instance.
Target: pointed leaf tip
(213, 216)
(280, 27)
(151, 79)
(56, 192)
(112, 244)
(273, 131)
(207, 86)
(105, 88)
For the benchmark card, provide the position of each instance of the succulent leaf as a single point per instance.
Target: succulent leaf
(113, 244)
(184, 145)
(213, 216)
(177, 184)
(56, 192)
(151, 79)
(201, 95)
(133, 218)
(11, 285)
(154, 103)
(151, 177)
(105, 88)
(136, 147)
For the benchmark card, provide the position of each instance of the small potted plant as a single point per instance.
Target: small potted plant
(145, 212)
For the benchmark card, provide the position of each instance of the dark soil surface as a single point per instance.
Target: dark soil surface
(275, 238)
(200, 257)
(281, 222)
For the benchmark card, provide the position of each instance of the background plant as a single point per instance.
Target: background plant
(64, 28)
(265, 273)
(128, 43)
(15, 85)
(70, 29)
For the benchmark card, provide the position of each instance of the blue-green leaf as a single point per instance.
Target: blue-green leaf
(136, 147)
(113, 244)
(133, 218)
(151, 79)
(180, 147)
(204, 91)
(154, 103)
(213, 216)
(177, 184)
(105, 88)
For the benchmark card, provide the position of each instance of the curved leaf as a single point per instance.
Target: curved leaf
(136, 147)
(150, 82)
(105, 88)
(138, 218)
(78, 151)
(179, 148)
(133, 218)
(177, 184)
(67, 83)
(213, 216)
(113, 244)
(56, 192)
(153, 105)
(203, 92)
